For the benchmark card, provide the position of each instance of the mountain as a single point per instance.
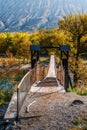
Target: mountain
(30, 15)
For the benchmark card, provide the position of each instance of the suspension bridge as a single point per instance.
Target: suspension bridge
(35, 85)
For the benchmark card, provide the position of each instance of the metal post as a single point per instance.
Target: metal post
(17, 117)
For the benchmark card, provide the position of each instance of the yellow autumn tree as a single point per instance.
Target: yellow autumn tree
(76, 26)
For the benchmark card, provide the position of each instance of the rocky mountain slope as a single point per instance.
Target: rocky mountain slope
(28, 15)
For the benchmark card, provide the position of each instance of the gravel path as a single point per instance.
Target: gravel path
(52, 112)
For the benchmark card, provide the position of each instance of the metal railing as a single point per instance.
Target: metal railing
(23, 89)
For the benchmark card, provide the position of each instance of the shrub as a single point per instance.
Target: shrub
(5, 96)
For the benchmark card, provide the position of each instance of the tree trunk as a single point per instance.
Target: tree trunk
(76, 63)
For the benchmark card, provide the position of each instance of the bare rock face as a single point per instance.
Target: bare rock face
(27, 15)
(2, 26)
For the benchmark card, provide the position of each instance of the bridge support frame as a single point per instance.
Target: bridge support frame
(64, 57)
(35, 51)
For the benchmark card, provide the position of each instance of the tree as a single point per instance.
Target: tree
(22, 43)
(76, 25)
(34, 38)
(52, 37)
(2, 41)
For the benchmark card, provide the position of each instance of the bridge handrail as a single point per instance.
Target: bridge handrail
(60, 75)
(22, 80)
(23, 88)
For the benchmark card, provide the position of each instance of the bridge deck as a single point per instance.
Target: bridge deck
(47, 85)
(51, 82)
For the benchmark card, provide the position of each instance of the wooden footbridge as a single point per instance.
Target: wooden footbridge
(39, 81)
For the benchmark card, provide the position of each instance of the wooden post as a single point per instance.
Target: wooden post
(65, 66)
(35, 49)
(64, 57)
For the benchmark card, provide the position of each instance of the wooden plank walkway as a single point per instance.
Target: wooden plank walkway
(47, 85)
